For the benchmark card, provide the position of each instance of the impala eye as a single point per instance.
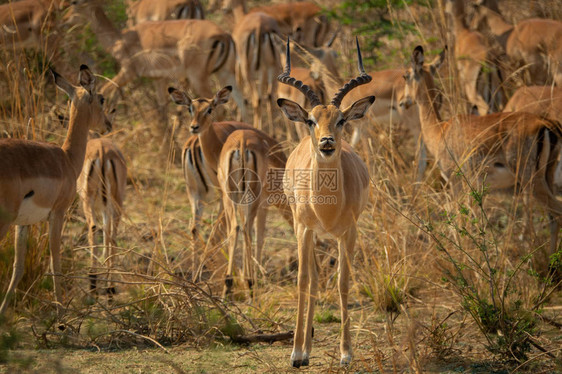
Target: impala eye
(209, 111)
(102, 100)
(341, 123)
(309, 122)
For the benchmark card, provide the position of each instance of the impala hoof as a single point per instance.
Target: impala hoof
(305, 362)
(297, 359)
(345, 360)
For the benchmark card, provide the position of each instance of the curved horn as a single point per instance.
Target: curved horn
(361, 79)
(286, 78)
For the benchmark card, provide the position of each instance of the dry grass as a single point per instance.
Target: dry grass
(405, 318)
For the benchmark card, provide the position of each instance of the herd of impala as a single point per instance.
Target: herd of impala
(323, 186)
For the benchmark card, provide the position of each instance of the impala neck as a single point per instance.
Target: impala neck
(108, 35)
(238, 10)
(77, 138)
(210, 142)
(430, 121)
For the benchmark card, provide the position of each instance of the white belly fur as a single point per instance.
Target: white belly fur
(30, 213)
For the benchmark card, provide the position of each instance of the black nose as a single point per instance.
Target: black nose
(326, 139)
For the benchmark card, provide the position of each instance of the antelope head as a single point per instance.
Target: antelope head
(419, 83)
(202, 111)
(86, 98)
(325, 122)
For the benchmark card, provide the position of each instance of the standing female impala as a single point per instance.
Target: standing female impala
(504, 150)
(532, 45)
(327, 186)
(38, 180)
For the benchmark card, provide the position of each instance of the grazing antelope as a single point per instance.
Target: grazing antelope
(479, 76)
(258, 59)
(301, 20)
(200, 159)
(23, 24)
(179, 49)
(504, 150)
(101, 187)
(161, 10)
(533, 43)
(249, 180)
(327, 186)
(38, 180)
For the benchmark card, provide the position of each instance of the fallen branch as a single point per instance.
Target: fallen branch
(552, 322)
(262, 338)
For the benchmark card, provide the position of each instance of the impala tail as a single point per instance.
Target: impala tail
(244, 177)
(260, 48)
(221, 51)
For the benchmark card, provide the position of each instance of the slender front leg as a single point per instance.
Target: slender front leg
(19, 264)
(55, 231)
(313, 289)
(346, 246)
(196, 209)
(304, 239)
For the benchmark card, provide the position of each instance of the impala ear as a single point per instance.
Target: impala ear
(111, 114)
(87, 79)
(417, 59)
(179, 97)
(63, 84)
(438, 61)
(357, 109)
(292, 110)
(222, 96)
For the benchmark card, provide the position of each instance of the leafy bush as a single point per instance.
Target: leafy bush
(488, 288)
